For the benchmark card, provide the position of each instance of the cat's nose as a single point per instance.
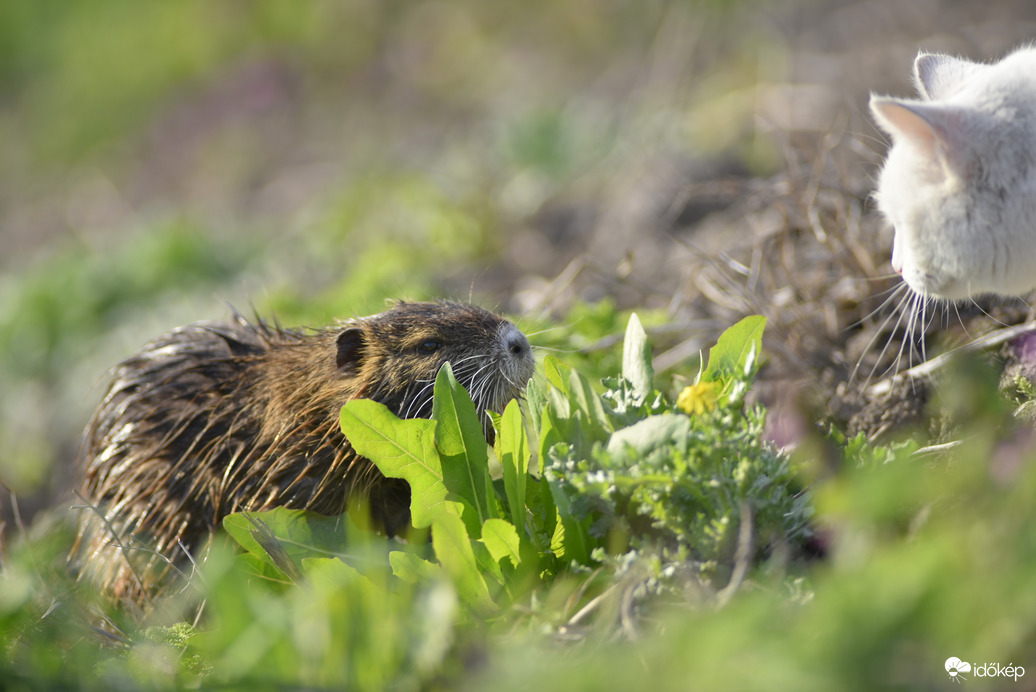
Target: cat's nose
(897, 259)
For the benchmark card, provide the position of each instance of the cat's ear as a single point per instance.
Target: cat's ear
(937, 131)
(939, 76)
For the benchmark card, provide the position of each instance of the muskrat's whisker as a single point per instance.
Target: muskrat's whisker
(415, 397)
(456, 365)
(546, 330)
(538, 347)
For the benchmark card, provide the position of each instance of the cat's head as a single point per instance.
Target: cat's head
(959, 184)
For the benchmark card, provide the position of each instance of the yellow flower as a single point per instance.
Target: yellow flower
(698, 398)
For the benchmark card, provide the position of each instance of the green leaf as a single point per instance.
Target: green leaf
(501, 539)
(413, 569)
(512, 450)
(462, 448)
(557, 538)
(636, 360)
(664, 430)
(452, 545)
(554, 370)
(574, 413)
(551, 433)
(584, 398)
(400, 449)
(329, 574)
(573, 538)
(543, 515)
(488, 566)
(737, 350)
(262, 534)
(300, 534)
(535, 400)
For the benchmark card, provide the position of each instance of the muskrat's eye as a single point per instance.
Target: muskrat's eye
(429, 346)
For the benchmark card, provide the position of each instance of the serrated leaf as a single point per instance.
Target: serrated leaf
(452, 545)
(501, 539)
(636, 360)
(513, 453)
(462, 449)
(557, 538)
(738, 347)
(400, 449)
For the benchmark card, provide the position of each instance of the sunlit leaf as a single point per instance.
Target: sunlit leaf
(636, 360)
(461, 444)
(739, 346)
(400, 449)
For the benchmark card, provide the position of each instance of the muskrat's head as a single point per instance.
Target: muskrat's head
(398, 353)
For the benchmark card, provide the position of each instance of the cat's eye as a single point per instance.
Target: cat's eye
(429, 346)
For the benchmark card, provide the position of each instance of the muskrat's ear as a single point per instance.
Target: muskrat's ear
(351, 346)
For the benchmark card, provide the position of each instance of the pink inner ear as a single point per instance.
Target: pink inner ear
(906, 122)
(934, 129)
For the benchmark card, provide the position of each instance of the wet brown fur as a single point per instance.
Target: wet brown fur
(215, 418)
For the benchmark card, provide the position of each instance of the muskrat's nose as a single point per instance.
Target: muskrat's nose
(518, 344)
(514, 342)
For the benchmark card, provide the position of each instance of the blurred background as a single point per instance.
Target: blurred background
(698, 160)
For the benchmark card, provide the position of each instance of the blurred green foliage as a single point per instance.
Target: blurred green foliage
(891, 603)
(926, 555)
(54, 308)
(113, 63)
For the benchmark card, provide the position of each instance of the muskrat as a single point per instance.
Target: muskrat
(219, 417)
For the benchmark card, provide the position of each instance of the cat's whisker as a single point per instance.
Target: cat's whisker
(911, 307)
(891, 295)
(987, 314)
(917, 328)
(905, 322)
(901, 311)
(877, 333)
(920, 321)
(960, 318)
(924, 323)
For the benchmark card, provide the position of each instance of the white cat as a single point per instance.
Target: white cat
(959, 184)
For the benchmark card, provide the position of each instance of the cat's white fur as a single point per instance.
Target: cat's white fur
(959, 184)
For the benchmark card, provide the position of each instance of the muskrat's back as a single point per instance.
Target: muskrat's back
(214, 418)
